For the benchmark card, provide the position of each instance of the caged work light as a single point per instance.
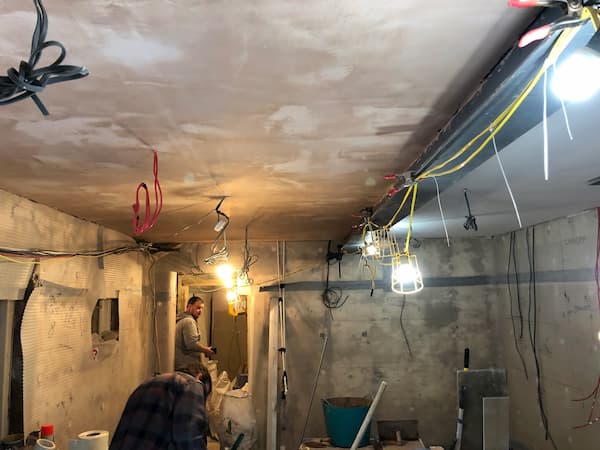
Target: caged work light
(379, 244)
(406, 276)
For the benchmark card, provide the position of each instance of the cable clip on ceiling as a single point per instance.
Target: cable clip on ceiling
(139, 228)
(29, 81)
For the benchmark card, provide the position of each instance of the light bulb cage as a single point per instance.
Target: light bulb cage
(379, 244)
(406, 264)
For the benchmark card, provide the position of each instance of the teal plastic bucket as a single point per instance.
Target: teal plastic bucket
(343, 418)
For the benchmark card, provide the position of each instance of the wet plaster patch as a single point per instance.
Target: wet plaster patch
(136, 50)
(292, 120)
(77, 131)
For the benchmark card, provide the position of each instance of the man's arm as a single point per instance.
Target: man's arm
(191, 338)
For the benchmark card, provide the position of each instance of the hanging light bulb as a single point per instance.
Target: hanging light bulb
(226, 274)
(232, 296)
(371, 250)
(406, 276)
(578, 77)
(225, 271)
(370, 243)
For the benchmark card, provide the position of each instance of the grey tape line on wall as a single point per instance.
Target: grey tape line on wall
(552, 276)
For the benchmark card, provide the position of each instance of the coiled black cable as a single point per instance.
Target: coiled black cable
(29, 81)
(332, 297)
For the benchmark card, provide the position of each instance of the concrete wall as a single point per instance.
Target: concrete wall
(366, 343)
(65, 382)
(568, 329)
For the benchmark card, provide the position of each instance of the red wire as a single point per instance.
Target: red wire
(591, 419)
(148, 222)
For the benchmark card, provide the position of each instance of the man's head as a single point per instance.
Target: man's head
(200, 372)
(195, 305)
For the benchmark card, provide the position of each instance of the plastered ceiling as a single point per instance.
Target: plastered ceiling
(293, 110)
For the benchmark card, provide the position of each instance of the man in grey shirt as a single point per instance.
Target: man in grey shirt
(188, 348)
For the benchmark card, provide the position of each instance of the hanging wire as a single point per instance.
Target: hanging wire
(139, 228)
(512, 197)
(437, 189)
(219, 250)
(498, 123)
(545, 124)
(592, 418)
(371, 274)
(512, 258)
(532, 319)
(564, 110)
(410, 218)
(249, 260)
(332, 297)
(188, 226)
(29, 81)
(410, 353)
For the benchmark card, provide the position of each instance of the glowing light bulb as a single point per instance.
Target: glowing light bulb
(231, 296)
(406, 273)
(225, 271)
(371, 250)
(577, 78)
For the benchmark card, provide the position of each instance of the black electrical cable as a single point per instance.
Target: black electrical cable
(39, 253)
(29, 81)
(514, 255)
(402, 326)
(332, 296)
(510, 297)
(533, 331)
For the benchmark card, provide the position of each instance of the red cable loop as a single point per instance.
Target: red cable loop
(393, 192)
(536, 34)
(523, 3)
(148, 222)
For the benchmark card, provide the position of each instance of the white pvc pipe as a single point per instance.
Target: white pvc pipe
(369, 415)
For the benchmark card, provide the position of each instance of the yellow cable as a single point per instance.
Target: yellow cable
(498, 123)
(19, 262)
(391, 222)
(410, 218)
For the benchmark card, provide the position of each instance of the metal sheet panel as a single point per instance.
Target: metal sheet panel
(479, 384)
(496, 423)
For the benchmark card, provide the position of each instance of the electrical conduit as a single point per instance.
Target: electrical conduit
(369, 415)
